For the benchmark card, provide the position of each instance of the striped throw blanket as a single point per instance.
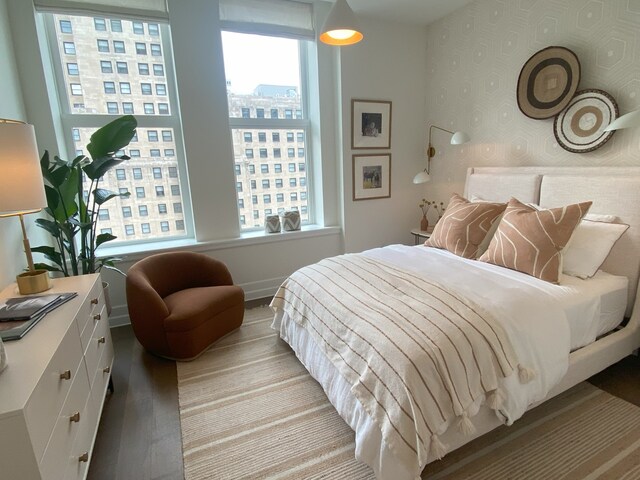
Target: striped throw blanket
(417, 355)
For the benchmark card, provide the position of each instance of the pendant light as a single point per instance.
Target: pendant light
(340, 27)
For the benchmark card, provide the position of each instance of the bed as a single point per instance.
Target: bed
(538, 348)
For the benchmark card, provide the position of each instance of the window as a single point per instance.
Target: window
(143, 68)
(65, 26)
(238, 186)
(301, 153)
(175, 189)
(265, 183)
(236, 169)
(149, 108)
(112, 108)
(274, 113)
(76, 89)
(169, 152)
(162, 208)
(146, 228)
(293, 182)
(103, 45)
(138, 28)
(70, 48)
(137, 174)
(264, 168)
(158, 70)
(118, 46)
(303, 181)
(278, 183)
(248, 137)
(277, 153)
(159, 191)
(156, 50)
(241, 203)
(164, 226)
(248, 152)
(125, 88)
(143, 211)
(129, 230)
(154, 30)
(259, 112)
(163, 108)
(289, 136)
(245, 113)
(294, 196)
(288, 113)
(177, 207)
(266, 198)
(173, 172)
(302, 167)
(121, 174)
(146, 88)
(262, 137)
(253, 184)
(279, 197)
(126, 212)
(106, 231)
(292, 167)
(140, 192)
(141, 48)
(134, 152)
(300, 136)
(154, 152)
(122, 67)
(103, 214)
(100, 24)
(116, 25)
(106, 66)
(72, 69)
(277, 167)
(123, 190)
(109, 87)
(76, 134)
(161, 89)
(263, 153)
(252, 169)
(152, 135)
(179, 224)
(254, 199)
(167, 136)
(243, 220)
(303, 195)
(157, 172)
(127, 108)
(291, 152)
(275, 136)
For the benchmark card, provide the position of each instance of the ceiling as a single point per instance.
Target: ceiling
(421, 12)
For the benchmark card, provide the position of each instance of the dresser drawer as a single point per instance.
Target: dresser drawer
(80, 454)
(99, 342)
(100, 381)
(44, 405)
(92, 311)
(72, 415)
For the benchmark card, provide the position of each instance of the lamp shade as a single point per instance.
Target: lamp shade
(458, 138)
(340, 27)
(21, 184)
(422, 177)
(628, 120)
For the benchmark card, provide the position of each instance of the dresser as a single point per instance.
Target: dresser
(53, 389)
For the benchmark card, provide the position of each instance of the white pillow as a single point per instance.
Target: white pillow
(590, 245)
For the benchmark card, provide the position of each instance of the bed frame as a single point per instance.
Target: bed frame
(614, 191)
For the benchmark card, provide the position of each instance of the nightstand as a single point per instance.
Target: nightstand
(420, 235)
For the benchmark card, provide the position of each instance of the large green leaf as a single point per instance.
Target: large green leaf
(101, 195)
(52, 227)
(101, 165)
(106, 141)
(50, 253)
(103, 238)
(44, 266)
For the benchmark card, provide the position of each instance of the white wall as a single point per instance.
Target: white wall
(474, 57)
(389, 64)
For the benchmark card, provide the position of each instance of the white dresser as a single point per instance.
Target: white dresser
(53, 389)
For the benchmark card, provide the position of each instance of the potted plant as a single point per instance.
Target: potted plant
(73, 219)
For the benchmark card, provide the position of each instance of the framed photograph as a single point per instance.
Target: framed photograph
(371, 176)
(370, 124)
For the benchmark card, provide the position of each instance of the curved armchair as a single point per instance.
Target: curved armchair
(181, 302)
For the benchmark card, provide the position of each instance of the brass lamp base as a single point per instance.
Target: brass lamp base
(33, 281)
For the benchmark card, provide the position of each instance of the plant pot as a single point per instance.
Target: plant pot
(107, 297)
(424, 223)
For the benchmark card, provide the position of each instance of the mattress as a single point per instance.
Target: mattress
(591, 307)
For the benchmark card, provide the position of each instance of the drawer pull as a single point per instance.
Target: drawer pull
(84, 457)
(106, 369)
(66, 375)
(94, 301)
(97, 317)
(102, 340)
(75, 417)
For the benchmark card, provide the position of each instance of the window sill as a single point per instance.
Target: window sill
(132, 253)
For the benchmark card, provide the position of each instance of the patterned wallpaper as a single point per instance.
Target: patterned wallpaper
(474, 57)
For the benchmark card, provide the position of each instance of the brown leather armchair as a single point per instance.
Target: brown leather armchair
(181, 302)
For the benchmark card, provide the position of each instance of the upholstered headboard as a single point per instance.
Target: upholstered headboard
(613, 191)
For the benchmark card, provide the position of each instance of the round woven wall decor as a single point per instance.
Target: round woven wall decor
(580, 127)
(547, 82)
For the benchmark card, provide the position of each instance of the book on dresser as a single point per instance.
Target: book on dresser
(18, 315)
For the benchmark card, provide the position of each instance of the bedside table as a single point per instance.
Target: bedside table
(420, 235)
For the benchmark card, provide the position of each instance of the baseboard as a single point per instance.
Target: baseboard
(252, 291)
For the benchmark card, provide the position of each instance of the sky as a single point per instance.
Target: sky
(250, 60)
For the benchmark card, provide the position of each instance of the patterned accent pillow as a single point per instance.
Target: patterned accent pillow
(531, 241)
(464, 225)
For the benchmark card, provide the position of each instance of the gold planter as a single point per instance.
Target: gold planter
(34, 281)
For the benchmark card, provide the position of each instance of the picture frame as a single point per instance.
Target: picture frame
(371, 176)
(370, 124)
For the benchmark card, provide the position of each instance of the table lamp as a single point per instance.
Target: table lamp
(22, 191)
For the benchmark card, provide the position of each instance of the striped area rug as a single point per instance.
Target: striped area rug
(249, 409)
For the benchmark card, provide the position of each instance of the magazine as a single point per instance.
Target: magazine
(19, 315)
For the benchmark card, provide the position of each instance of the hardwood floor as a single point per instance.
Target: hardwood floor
(139, 436)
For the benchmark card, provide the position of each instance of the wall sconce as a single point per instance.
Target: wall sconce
(22, 191)
(457, 138)
(340, 27)
(628, 120)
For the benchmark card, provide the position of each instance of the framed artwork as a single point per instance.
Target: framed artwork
(370, 124)
(371, 176)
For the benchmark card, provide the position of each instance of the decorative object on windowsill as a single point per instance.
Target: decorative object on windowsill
(370, 124)
(21, 192)
(457, 138)
(581, 127)
(547, 82)
(290, 221)
(628, 120)
(340, 28)
(425, 205)
(272, 224)
(72, 214)
(371, 176)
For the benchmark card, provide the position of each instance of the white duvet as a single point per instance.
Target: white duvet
(534, 321)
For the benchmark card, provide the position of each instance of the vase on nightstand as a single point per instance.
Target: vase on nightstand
(424, 223)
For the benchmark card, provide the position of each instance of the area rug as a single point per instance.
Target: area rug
(249, 409)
